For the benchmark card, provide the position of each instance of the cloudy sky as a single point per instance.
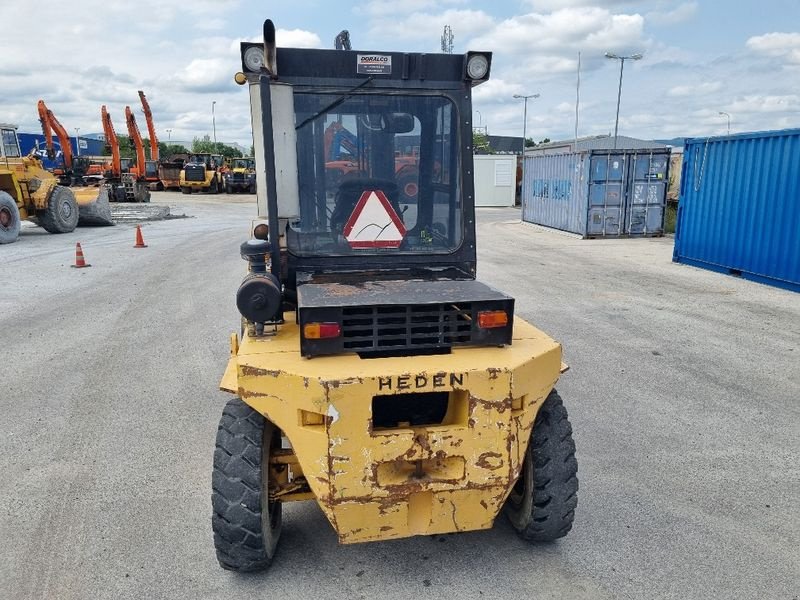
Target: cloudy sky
(700, 57)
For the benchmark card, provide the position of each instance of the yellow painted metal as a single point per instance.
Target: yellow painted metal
(28, 182)
(390, 483)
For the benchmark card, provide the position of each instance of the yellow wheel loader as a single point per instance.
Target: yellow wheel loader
(28, 191)
(373, 373)
(202, 173)
(241, 176)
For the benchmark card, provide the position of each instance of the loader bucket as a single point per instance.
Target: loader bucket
(93, 205)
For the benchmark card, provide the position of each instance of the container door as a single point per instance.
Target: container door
(606, 198)
(647, 193)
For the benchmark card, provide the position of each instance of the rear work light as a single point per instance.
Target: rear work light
(491, 319)
(320, 331)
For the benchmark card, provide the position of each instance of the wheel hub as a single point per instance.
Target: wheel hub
(66, 210)
(5, 217)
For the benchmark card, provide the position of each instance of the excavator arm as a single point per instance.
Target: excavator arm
(136, 138)
(111, 140)
(151, 129)
(49, 125)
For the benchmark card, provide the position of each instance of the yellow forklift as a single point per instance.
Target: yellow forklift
(373, 374)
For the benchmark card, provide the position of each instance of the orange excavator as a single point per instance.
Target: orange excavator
(73, 171)
(151, 166)
(92, 203)
(123, 186)
(146, 171)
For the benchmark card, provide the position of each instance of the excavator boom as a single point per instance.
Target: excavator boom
(136, 138)
(151, 128)
(111, 140)
(49, 125)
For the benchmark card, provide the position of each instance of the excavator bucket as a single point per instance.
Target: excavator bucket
(93, 205)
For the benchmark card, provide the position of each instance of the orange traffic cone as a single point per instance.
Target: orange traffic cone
(80, 262)
(139, 239)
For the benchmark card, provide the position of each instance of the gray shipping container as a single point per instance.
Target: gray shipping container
(598, 193)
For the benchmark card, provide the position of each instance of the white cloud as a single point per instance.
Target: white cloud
(566, 31)
(382, 8)
(673, 16)
(419, 25)
(782, 45)
(700, 89)
(758, 103)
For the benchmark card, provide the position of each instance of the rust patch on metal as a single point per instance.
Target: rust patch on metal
(493, 372)
(246, 394)
(248, 371)
(337, 383)
(485, 461)
(484, 505)
(386, 528)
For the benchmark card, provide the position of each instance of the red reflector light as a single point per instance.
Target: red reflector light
(489, 319)
(318, 331)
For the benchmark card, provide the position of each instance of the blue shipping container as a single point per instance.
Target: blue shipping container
(598, 193)
(35, 142)
(739, 210)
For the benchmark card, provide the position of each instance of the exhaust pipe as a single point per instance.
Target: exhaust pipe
(269, 48)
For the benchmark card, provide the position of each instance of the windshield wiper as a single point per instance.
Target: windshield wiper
(336, 102)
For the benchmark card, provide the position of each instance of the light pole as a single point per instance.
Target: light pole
(622, 60)
(78, 140)
(722, 113)
(214, 124)
(169, 134)
(524, 137)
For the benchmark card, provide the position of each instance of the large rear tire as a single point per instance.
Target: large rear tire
(61, 214)
(10, 221)
(246, 524)
(541, 507)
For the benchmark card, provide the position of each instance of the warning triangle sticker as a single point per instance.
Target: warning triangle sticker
(374, 223)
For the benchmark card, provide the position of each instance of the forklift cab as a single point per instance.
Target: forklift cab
(424, 191)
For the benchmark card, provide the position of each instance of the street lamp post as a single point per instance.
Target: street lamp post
(78, 140)
(169, 134)
(214, 123)
(622, 60)
(524, 136)
(722, 113)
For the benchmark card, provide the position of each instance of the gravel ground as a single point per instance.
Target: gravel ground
(683, 394)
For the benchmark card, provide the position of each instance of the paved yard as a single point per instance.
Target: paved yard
(683, 393)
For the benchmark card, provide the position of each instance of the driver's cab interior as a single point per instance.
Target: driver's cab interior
(403, 145)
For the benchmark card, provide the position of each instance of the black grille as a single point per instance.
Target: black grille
(421, 326)
(238, 177)
(195, 172)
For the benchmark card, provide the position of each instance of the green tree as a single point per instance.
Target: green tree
(207, 146)
(480, 143)
(167, 150)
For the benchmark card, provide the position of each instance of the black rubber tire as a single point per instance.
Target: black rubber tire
(61, 214)
(542, 504)
(228, 188)
(214, 187)
(252, 188)
(9, 213)
(246, 525)
(186, 190)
